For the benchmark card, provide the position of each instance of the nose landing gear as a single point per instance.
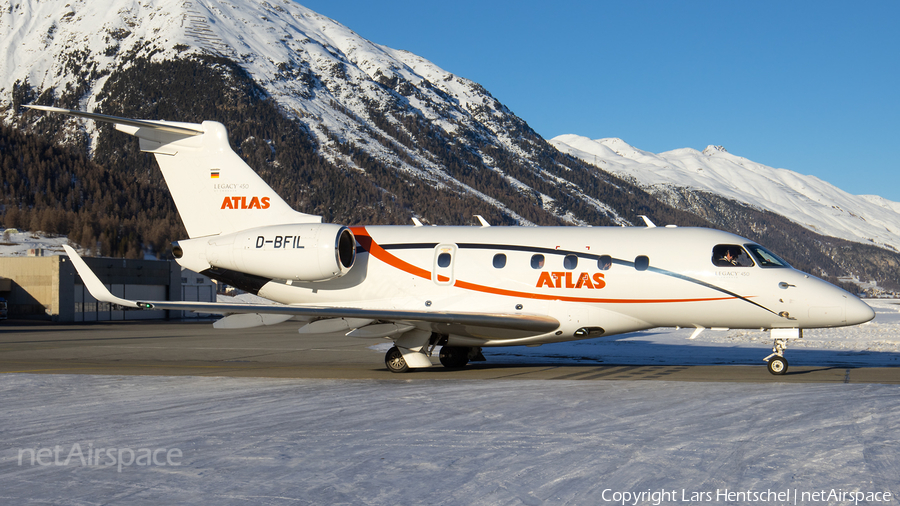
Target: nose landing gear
(777, 364)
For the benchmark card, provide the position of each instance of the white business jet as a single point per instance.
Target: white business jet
(460, 288)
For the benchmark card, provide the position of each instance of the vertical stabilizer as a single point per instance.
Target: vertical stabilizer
(214, 190)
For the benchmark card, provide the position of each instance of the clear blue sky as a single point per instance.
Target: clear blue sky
(812, 87)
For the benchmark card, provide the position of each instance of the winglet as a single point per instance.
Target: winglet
(92, 282)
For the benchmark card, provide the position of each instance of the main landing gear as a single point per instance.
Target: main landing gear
(451, 357)
(394, 361)
(777, 364)
(456, 357)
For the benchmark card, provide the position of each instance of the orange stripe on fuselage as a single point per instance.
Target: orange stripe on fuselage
(369, 244)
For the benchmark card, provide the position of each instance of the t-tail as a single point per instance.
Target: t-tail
(240, 230)
(216, 193)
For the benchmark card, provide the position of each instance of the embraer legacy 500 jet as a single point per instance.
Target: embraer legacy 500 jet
(460, 288)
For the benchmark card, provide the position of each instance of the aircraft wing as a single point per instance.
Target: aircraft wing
(498, 325)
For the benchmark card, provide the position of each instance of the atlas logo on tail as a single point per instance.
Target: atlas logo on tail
(242, 203)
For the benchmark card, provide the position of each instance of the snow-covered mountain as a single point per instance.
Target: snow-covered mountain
(350, 130)
(344, 88)
(806, 200)
(284, 46)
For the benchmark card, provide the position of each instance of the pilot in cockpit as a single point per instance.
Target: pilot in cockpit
(731, 256)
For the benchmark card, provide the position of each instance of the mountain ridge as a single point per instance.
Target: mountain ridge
(807, 200)
(340, 126)
(345, 89)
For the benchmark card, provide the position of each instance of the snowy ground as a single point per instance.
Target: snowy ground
(268, 441)
(202, 440)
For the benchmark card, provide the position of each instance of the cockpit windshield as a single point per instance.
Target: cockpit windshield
(765, 257)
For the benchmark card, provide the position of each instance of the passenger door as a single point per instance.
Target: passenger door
(444, 259)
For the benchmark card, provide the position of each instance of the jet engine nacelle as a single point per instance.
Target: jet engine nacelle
(299, 252)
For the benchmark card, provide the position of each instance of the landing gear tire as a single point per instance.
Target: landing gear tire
(394, 360)
(778, 365)
(454, 357)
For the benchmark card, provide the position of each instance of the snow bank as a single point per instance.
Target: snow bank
(18, 244)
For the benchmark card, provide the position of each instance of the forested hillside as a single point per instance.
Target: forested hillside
(59, 190)
(118, 203)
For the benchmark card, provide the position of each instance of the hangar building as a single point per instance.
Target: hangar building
(48, 288)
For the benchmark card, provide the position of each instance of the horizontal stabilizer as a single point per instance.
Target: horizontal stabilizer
(175, 128)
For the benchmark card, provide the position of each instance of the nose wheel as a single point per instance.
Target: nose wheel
(778, 365)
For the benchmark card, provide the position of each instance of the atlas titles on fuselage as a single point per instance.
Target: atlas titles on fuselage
(564, 280)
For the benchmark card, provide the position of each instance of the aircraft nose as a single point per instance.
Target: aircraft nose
(858, 311)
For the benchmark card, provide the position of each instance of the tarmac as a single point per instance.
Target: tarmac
(194, 348)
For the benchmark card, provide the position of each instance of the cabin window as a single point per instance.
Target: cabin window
(443, 260)
(499, 261)
(570, 262)
(537, 262)
(765, 257)
(604, 262)
(731, 255)
(642, 263)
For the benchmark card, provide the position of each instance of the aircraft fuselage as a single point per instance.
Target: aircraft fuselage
(618, 279)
